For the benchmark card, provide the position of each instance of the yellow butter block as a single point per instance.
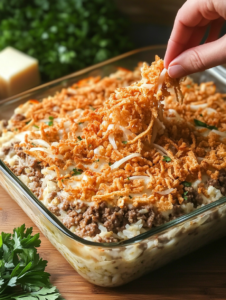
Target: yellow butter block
(18, 72)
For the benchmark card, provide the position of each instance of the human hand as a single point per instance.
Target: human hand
(184, 55)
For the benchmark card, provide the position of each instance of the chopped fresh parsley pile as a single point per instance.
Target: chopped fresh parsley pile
(64, 36)
(202, 124)
(79, 138)
(22, 271)
(166, 159)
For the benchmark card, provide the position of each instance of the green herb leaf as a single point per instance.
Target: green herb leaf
(128, 178)
(110, 164)
(80, 123)
(49, 293)
(188, 86)
(22, 271)
(202, 124)
(130, 197)
(50, 123)
(124, 142)
(97, 160)
(92, 108)
(36, 126)
(28, 122)
(79, 138)
(166, 159)
(184, 195)
(38, 29)
(186, 183)
(201, 115)
(77, 172)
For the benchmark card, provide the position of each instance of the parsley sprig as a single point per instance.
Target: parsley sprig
(22, 271)
(202, 124)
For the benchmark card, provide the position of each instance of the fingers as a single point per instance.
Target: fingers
(193, 15)
(196, 38)
(199, 58)
(215, 30)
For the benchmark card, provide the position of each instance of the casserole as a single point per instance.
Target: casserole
(116, 263)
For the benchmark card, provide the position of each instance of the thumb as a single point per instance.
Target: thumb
(199, 58)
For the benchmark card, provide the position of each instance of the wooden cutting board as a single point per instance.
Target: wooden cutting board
(200, 275)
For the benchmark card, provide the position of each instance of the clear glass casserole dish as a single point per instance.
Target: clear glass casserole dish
(115, 264)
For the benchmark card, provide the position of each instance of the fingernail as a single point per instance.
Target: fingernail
(176, 71)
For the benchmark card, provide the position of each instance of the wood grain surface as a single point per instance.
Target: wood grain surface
(198, 276)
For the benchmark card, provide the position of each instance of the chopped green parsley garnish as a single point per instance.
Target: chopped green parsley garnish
(188, 86)
(184, 195)
(79, 138)
(124, 142)
(130, 197)
(50, 123)
(80, 123)
(166, 159)
(92, 108)
(28, 122)
(110, 163)
(128, 178)
(202, 124)
(201, 115)
(36, 126)
(186, 183)
(33, 144)
(77, 172)
(97, 160)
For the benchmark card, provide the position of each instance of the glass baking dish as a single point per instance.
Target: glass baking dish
(115, 264)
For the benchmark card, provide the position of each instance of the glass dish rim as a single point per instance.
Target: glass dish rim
(51, 217)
